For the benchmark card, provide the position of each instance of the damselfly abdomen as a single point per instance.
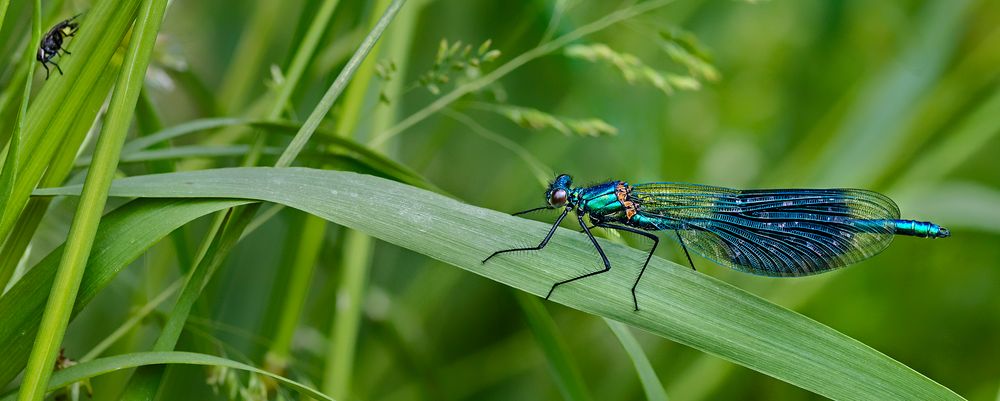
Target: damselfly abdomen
(773, 232)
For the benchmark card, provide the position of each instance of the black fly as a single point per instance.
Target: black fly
(52, 43)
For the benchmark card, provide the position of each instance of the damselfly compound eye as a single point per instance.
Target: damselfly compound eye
(558, 197)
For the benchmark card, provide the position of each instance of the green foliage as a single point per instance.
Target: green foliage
(684, 49)
(632, 69)
(678, 304)
(538, 120)
(457, 58)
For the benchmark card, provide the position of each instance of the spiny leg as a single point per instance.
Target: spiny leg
(540, 245)
(533, 210)
(656, 241)
(64, 50)
(685, 248)
(604, 258)
(46, 70)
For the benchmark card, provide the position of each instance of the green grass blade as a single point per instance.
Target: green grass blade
(92, 201)
(623, 14)
(144, 222)
(304, 257)
(135, 320)
(377, 161)
(97, 367)
(561, 364)
(56, 172)
(969, 136)
(305, 53)
(3, 10)
(354, 265)
(338, 86)
(8, 174)
(356, 258)
(647, 376)
(247, 62)
(145, 383)
(677, 303)
(58, 103)
(877, 118)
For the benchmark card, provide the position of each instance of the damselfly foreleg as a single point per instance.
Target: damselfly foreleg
(540, 245)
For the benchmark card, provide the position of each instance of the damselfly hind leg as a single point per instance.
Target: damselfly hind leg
(656, 241)
(540, 245)
(604, 258)
(685, 248)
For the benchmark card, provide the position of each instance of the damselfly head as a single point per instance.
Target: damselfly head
(558, 192)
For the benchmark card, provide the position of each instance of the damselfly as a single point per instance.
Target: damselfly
(771, 232)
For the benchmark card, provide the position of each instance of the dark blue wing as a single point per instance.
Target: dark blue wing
(783, 232)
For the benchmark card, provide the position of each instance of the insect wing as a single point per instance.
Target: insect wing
(784, 232)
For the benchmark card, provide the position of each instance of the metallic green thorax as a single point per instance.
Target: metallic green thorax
(599, 201)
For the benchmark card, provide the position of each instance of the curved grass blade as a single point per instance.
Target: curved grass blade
(365, 155)
(647, 376)
(685, 306)
(143, 222)
(87, 218)
(56, 106)
(97, 367)
(561, 364)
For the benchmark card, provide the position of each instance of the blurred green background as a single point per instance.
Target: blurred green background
(901, 97)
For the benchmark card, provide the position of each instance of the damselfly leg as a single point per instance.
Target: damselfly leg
(540, 245)
(604, 258)
(656, 241)
(685, 248)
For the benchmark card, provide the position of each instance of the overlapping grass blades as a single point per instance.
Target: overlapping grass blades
(677, 303)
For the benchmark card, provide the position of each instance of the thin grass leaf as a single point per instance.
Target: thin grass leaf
(968, 137)
(3, 11)
(56, 105)
(143, 222)
(133, 321)
(55, 174)
(542, 172)
(304, 257)
(8, 174)
(97, 367)
(249, 59)
(356, 258)
(561, 364)
(685, 306)
(877, 118)
(620, 15)
(647, 376)
(375, 160)
(92, 201)
(228, 228)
